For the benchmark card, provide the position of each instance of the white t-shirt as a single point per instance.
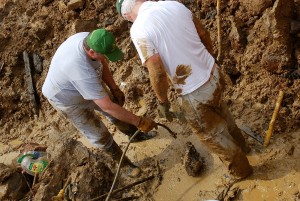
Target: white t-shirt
(167, 28)
(72, 76)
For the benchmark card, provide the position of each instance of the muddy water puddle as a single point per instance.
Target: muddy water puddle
(178, 186)
(285, 188)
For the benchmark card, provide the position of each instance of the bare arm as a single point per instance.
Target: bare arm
(107, 77)
(117, 111)
(204, 35)
(158, 77)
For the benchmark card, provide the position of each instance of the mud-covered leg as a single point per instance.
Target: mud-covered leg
(234, 131)
(211, 128)
(83, 117)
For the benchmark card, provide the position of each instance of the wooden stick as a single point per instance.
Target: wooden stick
(29, 82)
(1, 66)
(125, 187)
(35, 178)
(128, 198)
(219, 30)
(274, 116)
(24, 175)
(37, 63)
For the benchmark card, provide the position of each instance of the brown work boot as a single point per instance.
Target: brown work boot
(116, 153)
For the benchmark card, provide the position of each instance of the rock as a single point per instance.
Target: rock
(15, 187)
(236, 36)
(89, 182)
(5, 172)
(46, 2)
(269, 37)
(84, 25)
(192, 160)
(33, 147)
(75, 4)
(295, 26)
(40, 29)
(90, 177)
(256, 7)
(296, 103)
(3, 41)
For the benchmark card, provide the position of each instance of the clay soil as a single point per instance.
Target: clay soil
(260, 53)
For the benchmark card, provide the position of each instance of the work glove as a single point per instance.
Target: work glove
(164, 111)
(118, 96)
(146, 124)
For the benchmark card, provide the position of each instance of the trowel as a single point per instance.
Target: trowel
(252, 134)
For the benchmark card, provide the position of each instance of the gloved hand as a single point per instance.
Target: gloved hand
(146, 124)
(118, 96)
(164, 111)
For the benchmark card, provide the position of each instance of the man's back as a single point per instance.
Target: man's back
(72, 76)
(167, 28)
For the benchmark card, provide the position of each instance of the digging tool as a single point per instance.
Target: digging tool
(269, 132)
(30, 84)
(252, 134)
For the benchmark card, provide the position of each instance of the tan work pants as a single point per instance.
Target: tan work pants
(84, 118)
(210, 119)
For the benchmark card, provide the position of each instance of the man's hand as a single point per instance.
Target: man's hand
(118, 96)
(146, 124)
(164, 111)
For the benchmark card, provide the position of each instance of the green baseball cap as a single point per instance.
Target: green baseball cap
(119, 5)
(102, 41)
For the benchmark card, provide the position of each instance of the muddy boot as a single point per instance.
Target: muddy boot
(116, 153)
(129, 130)
(240, 167)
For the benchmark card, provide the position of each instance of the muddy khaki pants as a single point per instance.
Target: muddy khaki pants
(211, 120)
(84, 118)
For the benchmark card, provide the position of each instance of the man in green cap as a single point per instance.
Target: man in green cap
(77, 85)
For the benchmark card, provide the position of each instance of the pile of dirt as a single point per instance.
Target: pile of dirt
(259, 51)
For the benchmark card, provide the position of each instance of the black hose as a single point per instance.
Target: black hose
(119, 166)
(168, 129)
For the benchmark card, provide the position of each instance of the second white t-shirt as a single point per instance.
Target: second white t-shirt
(167, 28)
